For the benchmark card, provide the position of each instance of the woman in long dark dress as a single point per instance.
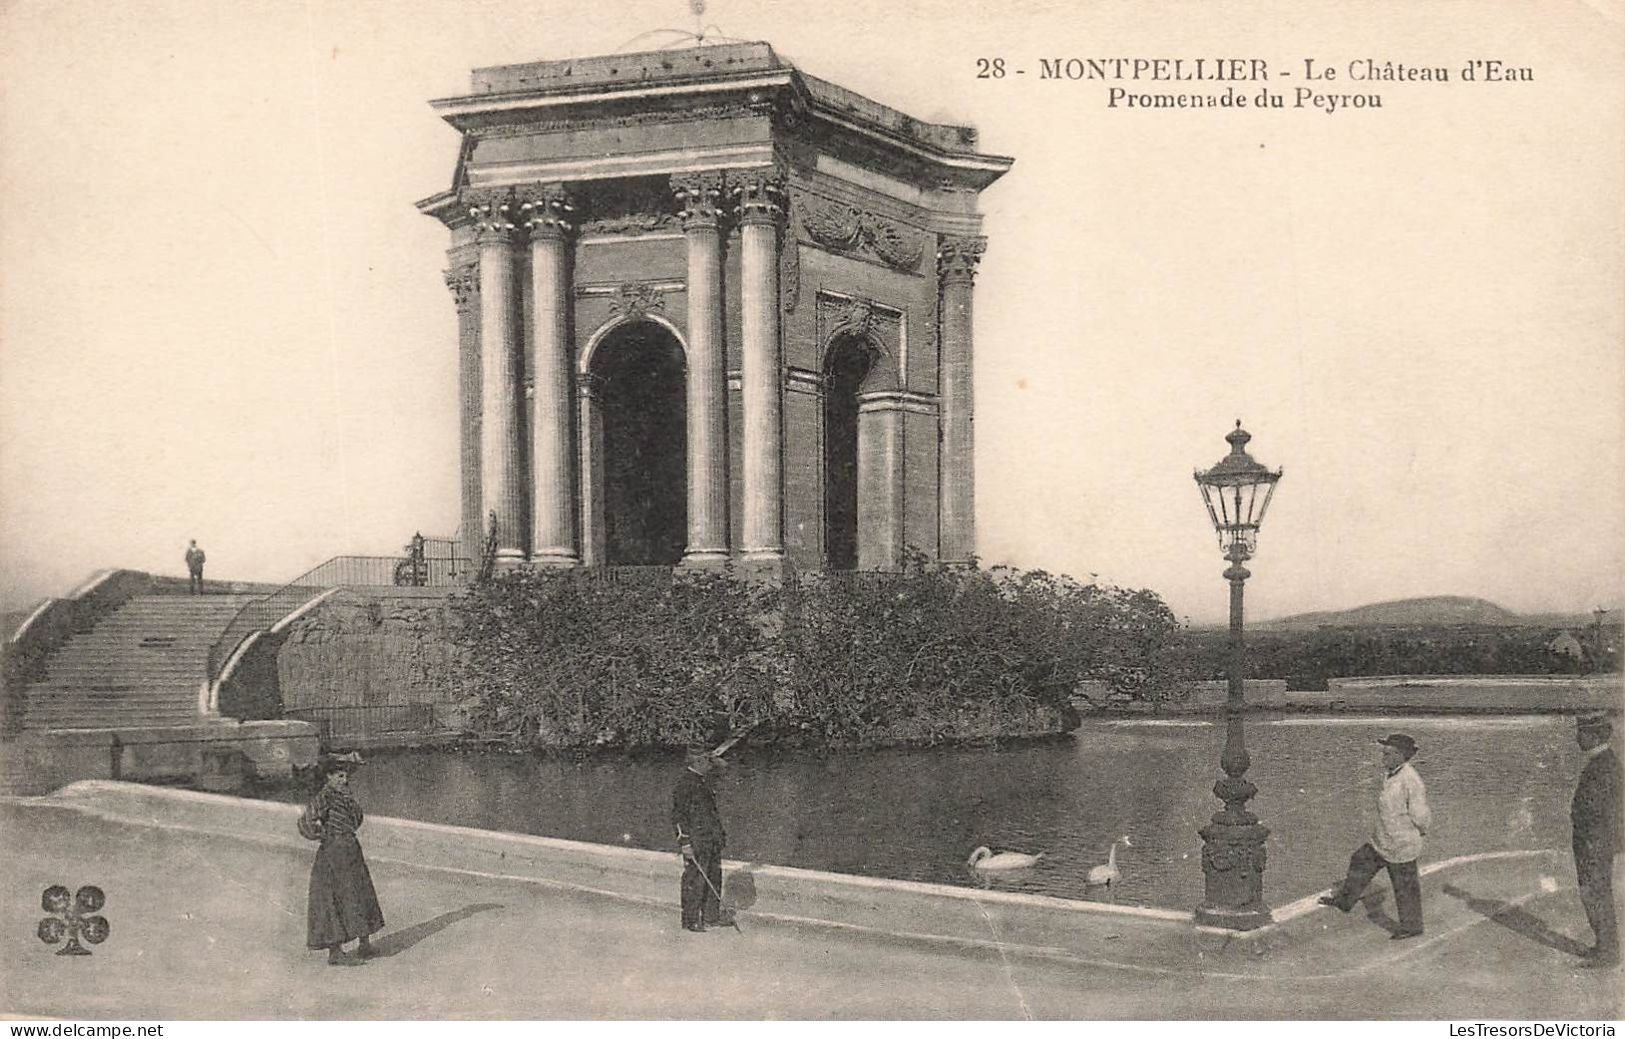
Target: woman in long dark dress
(343, 905)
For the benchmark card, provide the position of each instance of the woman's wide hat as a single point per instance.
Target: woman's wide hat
(347, 762)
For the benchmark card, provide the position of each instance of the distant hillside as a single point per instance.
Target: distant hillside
(1437, 609)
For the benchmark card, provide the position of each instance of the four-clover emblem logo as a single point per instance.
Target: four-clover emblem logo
(72, 918)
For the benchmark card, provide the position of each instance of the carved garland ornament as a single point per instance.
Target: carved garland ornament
(845, 228)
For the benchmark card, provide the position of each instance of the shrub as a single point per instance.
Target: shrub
(929, 654)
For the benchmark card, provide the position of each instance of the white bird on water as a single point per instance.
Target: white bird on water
(983, 858)
(1109, 872)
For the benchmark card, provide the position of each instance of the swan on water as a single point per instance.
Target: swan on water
(1109, 872)
(983, 858)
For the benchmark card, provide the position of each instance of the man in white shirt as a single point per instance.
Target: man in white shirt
(1403, 819)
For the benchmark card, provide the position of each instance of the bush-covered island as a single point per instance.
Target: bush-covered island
(559, 659)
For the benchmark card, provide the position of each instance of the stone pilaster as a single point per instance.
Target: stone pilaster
(594, 547)
(463, 281)
(547, 214)
(760, 197)
(880, 483)
(699, 198)
(957, 258)
(502, 471)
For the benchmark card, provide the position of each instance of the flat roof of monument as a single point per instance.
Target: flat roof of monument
(694, 70)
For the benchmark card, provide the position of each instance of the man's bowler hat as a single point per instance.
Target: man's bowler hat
(1400, 742)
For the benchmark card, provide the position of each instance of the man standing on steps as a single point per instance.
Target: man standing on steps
(194, 566)
(700, 838)
(1403, 819)
(1594, 816)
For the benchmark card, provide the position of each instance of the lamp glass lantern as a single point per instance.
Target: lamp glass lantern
(1237, 492)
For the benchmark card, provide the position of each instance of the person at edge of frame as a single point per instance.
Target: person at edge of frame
(1403, 819)
(1594, 816)
(700, 839)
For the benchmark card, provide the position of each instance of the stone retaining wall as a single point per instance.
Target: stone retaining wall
(219, 754)
(368, 649)
(1033, 923)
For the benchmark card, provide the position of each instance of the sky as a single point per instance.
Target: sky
(221, 317)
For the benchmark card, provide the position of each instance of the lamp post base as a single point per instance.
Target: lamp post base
(1233, 919)
(1233, 859)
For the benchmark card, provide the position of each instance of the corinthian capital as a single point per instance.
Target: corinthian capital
(493, 212)
(464, 283)
(699, 199)
(759, 194)
(958, 255)
(548, 211)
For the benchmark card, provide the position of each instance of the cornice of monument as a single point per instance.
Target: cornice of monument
(659, 85)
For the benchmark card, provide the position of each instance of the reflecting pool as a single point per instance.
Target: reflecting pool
(1494, 783)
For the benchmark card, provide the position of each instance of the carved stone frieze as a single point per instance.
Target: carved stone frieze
(844, 228)
(631, 223)
(830, 224)
(634, 299)
(896, 246)
(639, 206)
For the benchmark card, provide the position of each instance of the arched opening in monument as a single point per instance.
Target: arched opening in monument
(847, 365)
(639, 372)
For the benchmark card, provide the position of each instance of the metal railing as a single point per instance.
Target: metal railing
(369, 722)
(847, 578)
(630, 574)
(338, 572)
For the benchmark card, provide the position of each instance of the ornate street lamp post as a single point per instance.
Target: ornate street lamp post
(1237, 493)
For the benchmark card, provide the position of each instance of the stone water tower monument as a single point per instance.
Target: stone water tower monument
(710, 308)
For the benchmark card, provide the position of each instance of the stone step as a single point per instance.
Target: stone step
(111, 691)
(139, 657)
(87, 721)
(142, 664)
(69, 675)
(99, 675)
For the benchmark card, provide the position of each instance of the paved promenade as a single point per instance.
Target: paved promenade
(206, 925)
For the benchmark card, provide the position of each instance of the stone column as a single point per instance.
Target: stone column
(547, 215)
(463, 281)
(699, 198)
(956, 266)
(502, 471)
(761, 371)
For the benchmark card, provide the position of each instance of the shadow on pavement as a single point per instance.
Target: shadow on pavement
(1375, 902)
(397, 942)
(739, 889)
(1517, 920)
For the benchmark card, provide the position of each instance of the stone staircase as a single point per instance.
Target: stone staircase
(142, 665)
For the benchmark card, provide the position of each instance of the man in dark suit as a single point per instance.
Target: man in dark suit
(194, 566)
(700, 838)
(1594, 816)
